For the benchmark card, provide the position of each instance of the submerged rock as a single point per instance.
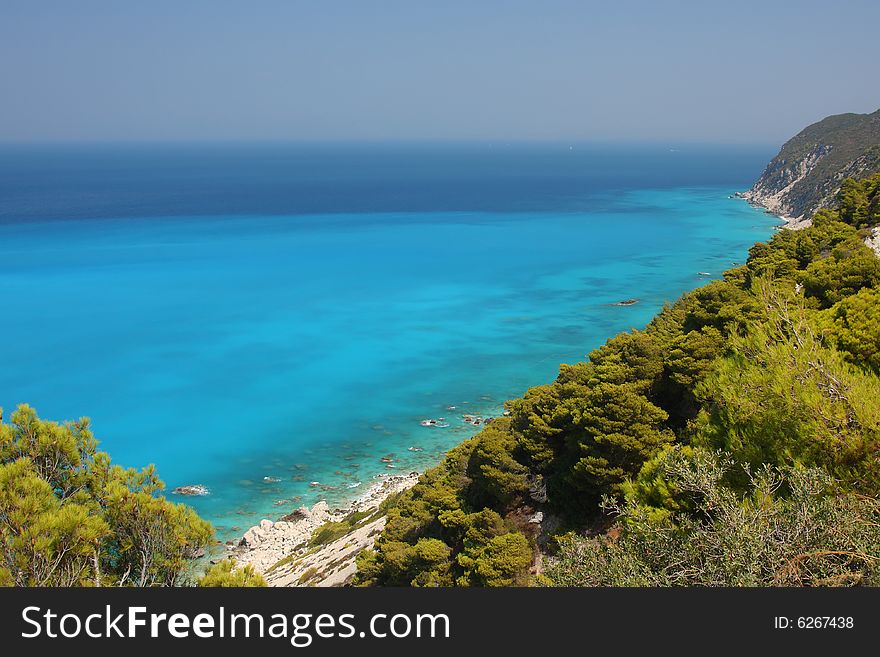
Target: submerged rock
(192, 490)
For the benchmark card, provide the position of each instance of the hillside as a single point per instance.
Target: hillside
(807, 172)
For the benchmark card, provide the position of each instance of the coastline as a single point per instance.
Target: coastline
(283, 551)
(771, 206)
(287, 553)
(443, 336)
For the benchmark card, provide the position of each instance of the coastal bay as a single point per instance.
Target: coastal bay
(281, 359)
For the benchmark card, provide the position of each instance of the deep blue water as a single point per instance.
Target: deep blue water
(231, 313)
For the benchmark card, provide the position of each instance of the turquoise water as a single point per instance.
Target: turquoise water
(304, 347)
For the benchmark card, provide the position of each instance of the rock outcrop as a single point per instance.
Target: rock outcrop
(806, 174)
(285, 554)
(873, 240)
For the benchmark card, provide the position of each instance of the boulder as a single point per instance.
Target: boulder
(253, 537)
(321, 511)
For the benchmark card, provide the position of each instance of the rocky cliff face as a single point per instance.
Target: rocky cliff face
(806, 174)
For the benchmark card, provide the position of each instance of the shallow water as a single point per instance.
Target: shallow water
(256, 352)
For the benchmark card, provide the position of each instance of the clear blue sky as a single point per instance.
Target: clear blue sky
(740, 71)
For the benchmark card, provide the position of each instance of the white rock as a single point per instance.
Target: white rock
(253, 536)
(321, 511)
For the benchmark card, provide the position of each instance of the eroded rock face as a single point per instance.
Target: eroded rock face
(776, 190)
(806, 174)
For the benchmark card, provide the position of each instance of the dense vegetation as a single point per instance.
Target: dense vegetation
(68, 517)
(787, 527)
(734, 441)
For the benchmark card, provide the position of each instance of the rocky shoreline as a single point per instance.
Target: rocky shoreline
(770, 204)
(757, 200)
(807, 172)
(773, 192)
(288, 552)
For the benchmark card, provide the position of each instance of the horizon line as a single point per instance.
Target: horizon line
(491, 142)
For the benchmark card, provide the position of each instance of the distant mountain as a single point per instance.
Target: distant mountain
(807, 172)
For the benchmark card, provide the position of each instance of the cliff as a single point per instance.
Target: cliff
(806, 173)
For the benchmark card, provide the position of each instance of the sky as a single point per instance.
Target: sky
(548, 70)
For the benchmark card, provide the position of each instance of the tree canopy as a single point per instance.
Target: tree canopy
(68, 517)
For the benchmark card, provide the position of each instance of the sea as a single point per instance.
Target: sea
(274, 322)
